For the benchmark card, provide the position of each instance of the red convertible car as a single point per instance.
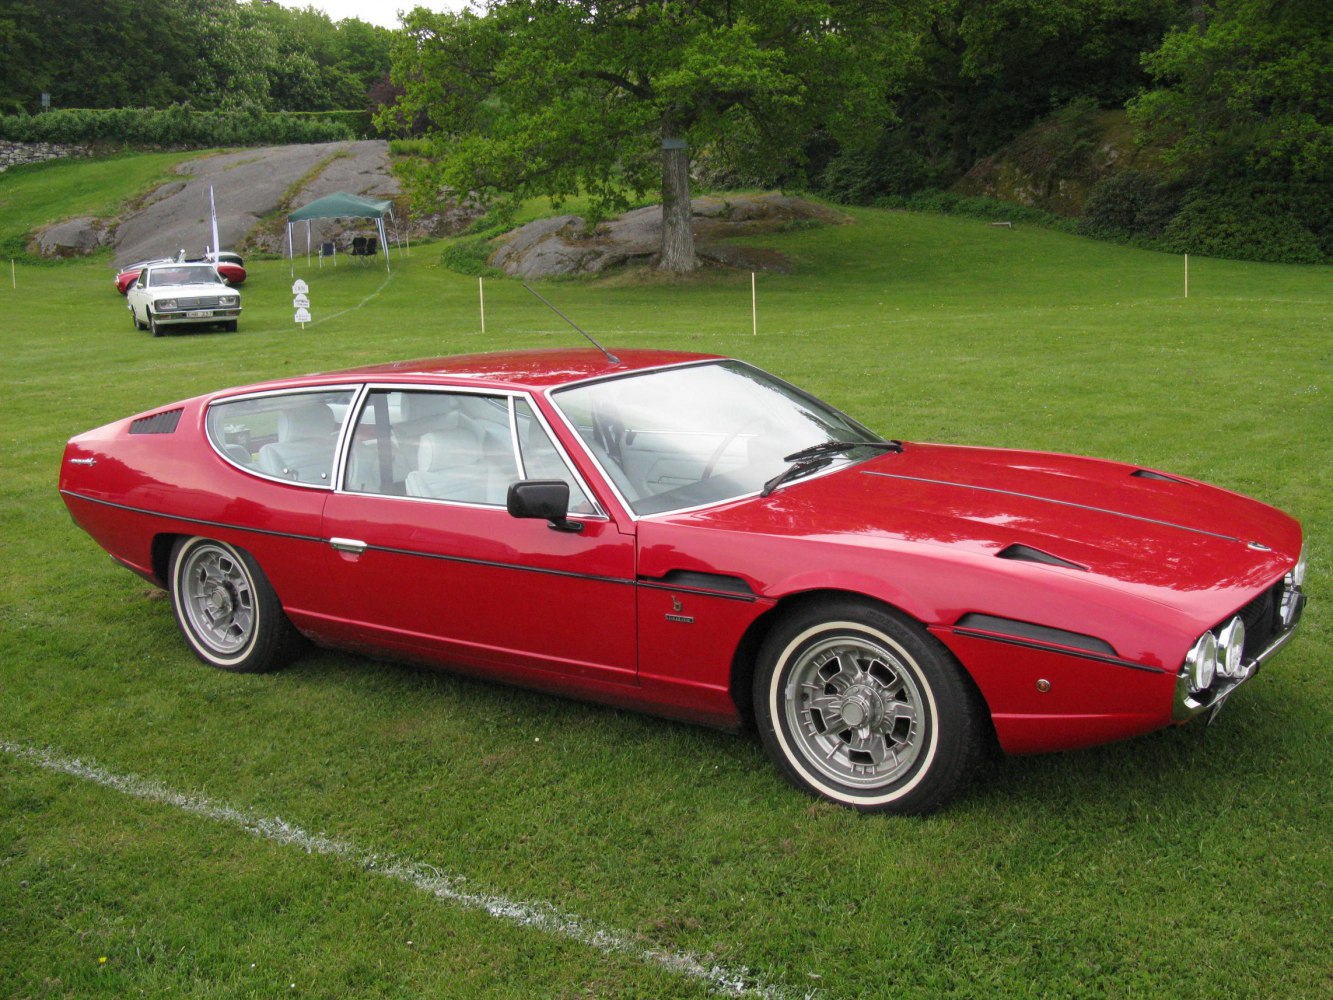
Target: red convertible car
(690, 536)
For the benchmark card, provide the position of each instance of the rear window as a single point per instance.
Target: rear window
(288, 436)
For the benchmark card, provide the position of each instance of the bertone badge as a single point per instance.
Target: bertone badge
(677, 607)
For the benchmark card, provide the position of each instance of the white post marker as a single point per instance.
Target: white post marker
(13, 277)
(1187, 275)
(301, 302)
(754, 309)
(481, 301)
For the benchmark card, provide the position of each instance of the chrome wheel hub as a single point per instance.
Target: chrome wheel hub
(218, 599)
(855, 709)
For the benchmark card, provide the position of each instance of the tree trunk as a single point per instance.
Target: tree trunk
(677, 235)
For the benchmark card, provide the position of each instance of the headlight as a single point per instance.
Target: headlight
(1202, 662)
(227, 300)
(165, 303)
(1231, 649)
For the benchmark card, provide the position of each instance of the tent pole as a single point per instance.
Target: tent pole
(290, 258)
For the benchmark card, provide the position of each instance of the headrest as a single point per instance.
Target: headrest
(449, 449)
(419, 405)
(308, 420)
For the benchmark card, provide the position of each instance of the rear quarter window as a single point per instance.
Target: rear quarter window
(287, 436)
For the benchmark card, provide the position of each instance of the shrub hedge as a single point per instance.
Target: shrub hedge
(176, 126)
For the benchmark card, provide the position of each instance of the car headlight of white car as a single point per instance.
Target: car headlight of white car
(166, 303)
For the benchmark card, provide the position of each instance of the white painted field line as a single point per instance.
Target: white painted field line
(723, 980)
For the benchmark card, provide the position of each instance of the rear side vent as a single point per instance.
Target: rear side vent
(159, 423)
(1025, 553)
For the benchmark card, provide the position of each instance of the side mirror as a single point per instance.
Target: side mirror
(542, 498)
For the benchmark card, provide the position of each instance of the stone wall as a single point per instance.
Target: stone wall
(14, 153)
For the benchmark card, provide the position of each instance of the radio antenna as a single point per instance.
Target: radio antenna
(609, 356)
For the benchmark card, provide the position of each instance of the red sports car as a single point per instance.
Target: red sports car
(690, 536)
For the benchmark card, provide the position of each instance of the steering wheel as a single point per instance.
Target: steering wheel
(711, 464)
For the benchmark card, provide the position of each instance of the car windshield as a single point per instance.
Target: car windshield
(159, 276)
(697, 435)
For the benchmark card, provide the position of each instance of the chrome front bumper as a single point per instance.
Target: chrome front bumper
(1189, 704)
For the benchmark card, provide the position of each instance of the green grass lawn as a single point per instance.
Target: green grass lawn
(1192, 863)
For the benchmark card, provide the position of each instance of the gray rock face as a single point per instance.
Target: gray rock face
(563, 246)
(72, 238)
(248, 185)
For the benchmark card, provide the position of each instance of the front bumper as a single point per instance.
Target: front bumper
(197, 315)
(1289, 604)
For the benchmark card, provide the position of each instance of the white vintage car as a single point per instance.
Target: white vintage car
(169, 293)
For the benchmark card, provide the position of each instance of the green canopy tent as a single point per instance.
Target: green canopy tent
(341, 206)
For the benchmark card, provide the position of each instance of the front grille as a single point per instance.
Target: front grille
(1262, 619)
(201, 302)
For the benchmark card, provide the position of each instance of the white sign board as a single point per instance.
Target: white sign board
(300, 287)
(303, 315)
(301, 302)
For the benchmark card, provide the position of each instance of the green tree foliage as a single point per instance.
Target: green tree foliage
(1244, 105)
(212, 54)
(552, 97)
(984, 71)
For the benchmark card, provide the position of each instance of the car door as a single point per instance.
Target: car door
(428, 563)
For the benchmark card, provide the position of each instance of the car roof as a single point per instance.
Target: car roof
(536, 370)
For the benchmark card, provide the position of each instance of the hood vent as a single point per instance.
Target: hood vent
(1160, 477)
(1025, 553)
(159, 423)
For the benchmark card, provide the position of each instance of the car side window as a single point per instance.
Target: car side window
(541, 458)
(291, 436)
(433, 445)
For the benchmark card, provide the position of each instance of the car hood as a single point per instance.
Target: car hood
(194, 290)
(1170, 539)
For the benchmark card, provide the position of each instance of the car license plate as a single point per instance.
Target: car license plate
(199, 314)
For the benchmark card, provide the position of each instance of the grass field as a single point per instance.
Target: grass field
(160, 822)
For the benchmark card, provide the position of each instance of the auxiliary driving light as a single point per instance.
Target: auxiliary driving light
(1231, 649)
(1202, 662)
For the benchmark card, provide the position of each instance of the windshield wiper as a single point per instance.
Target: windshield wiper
(838, 447)
(819, 455)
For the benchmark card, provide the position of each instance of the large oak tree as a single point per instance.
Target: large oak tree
(556, 97)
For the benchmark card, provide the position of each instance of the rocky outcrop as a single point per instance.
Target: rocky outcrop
(71, 238)
(565, 245)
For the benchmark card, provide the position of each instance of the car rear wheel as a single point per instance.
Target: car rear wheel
(858, 704)
(226, 608)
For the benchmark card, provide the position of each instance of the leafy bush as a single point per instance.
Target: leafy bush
(889, 167)
(358, 123)
(469, 256)
(411, 147)
(174, 126)
(1247, 224)
(1132, 203)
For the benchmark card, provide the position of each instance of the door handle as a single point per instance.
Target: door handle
(353, 545)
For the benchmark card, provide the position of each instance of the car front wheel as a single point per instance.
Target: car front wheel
(226, 608)
(153, 325)
(858, 704)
